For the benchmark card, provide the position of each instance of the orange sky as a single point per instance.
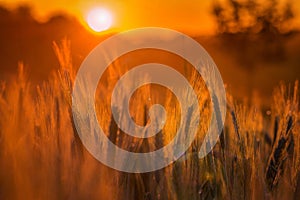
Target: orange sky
(186, 15)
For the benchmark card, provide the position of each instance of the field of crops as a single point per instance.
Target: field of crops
(42, 157)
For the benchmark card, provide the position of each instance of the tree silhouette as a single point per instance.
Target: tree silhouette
(24, 12)
(253, 16)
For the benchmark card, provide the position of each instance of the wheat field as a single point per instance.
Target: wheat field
(41, 155)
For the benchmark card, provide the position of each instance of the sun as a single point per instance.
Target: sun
(99, 19)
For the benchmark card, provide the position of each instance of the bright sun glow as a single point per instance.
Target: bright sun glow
(99, 19)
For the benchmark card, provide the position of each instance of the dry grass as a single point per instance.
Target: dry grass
(41, 155)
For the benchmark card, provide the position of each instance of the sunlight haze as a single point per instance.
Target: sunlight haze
(129, 14)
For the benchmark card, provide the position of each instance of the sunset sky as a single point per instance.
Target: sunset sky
(191, 16)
